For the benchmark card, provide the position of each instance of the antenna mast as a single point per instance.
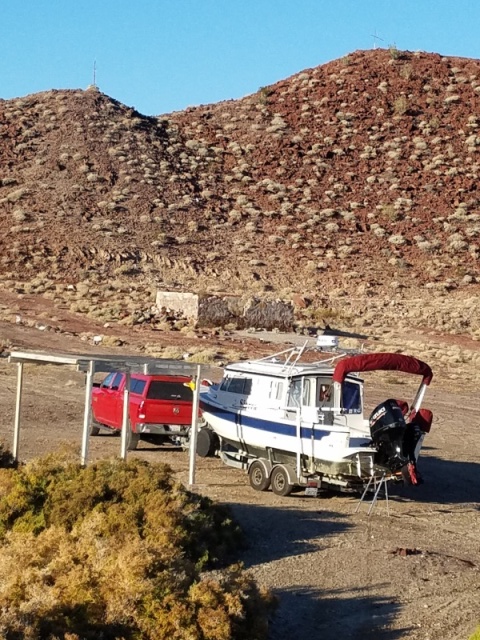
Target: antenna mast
(375, 38)
(94, 73)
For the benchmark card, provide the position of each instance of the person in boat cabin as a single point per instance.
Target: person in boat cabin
(325, 393)
(325, 400)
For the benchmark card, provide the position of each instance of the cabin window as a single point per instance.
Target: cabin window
(351, 397)
(324, 392)
(306, 392)
(294, 393)
(276, 390)
(225, 383)
(239, 385)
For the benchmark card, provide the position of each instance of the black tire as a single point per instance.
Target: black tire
(257, 475)
(280, 482)
(94, 430)
(207, 443)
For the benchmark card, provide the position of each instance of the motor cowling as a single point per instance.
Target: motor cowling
(387, 429)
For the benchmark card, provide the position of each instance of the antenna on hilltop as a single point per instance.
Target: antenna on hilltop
(375, 38)
(94, 73)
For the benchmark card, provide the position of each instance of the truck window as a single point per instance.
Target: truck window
(163, 390)
(116, 381)
(137, 386)
(108, 380)
(112, 381)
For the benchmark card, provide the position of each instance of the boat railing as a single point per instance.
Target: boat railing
(290, 356)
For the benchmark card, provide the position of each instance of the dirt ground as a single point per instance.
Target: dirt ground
(337, 573)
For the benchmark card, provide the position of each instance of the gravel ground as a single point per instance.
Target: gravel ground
(337, 574)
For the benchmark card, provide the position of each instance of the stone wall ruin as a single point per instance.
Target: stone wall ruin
(207, 310)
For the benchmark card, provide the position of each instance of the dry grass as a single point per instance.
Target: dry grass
(118, 550)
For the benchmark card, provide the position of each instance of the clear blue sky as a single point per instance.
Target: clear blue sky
(165, 55)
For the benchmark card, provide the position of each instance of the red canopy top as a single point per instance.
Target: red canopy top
(382, 361)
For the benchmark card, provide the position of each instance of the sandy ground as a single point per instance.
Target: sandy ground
(338, 573)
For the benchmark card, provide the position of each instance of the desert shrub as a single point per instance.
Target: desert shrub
(400, 106)
(320, 314)
(204, 356)
(394, 52)
(476, 635)
(56, 491)
(118, 550)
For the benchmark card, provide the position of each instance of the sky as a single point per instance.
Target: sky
(160, 56)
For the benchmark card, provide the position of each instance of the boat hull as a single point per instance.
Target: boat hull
(309, 448)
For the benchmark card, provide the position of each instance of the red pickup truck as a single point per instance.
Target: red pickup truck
(160, 407)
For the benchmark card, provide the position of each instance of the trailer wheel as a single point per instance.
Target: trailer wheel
(280, 481)
(207, 442)
(258, 476)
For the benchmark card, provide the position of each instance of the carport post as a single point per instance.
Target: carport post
(18, 403)
(125, 421)
(87, 412)
(194, 427)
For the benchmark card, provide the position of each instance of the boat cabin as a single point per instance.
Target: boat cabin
(304, 389)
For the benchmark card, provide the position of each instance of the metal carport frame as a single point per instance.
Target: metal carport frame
(91, 364)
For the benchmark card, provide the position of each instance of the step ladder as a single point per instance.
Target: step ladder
(377, 486)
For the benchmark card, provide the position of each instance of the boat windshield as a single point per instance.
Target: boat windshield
(351, 397)
(237, 385)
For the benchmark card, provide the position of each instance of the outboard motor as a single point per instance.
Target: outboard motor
(419, 425)
(387, 428)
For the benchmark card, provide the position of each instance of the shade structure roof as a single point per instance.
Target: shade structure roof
(106, 362)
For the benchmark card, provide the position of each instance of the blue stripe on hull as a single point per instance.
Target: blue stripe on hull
(278, 428)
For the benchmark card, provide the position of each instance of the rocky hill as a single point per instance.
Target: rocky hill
(353, 184)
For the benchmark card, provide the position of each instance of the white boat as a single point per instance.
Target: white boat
(294, 423)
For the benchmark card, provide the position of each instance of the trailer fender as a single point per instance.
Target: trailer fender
(283, 480)
(266, 464)
(291, 473)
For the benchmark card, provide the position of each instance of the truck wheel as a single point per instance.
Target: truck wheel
(258, 476)
(280, 482)
(94, 430)
(207, 442)
(132, 438)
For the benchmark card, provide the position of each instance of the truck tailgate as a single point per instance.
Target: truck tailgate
(168, 402)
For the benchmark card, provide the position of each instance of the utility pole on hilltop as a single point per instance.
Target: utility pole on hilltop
(375, 38)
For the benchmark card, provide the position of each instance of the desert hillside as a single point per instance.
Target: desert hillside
(353, 184)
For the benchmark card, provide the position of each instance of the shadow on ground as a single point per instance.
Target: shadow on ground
(445, 482)
(275, 532)
(288, 533)
(331, 615)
